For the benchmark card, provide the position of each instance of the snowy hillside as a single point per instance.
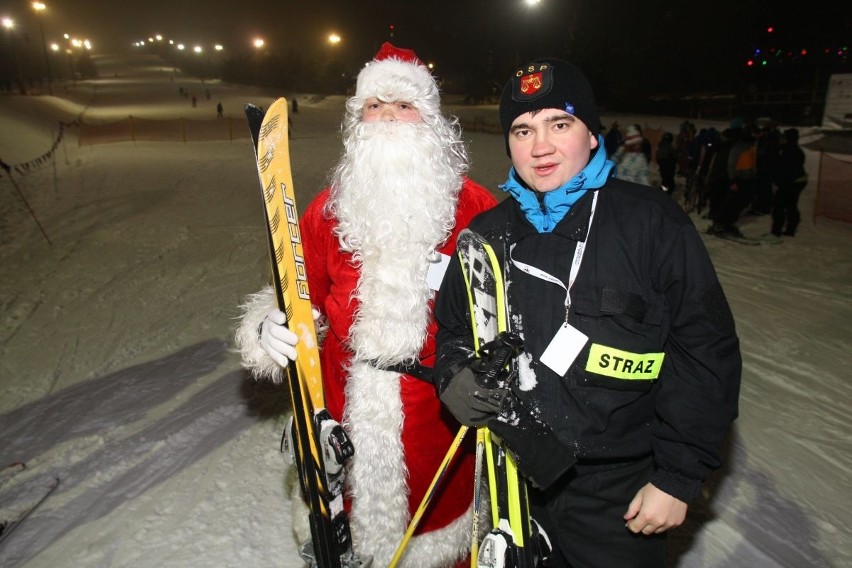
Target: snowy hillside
(116, 374)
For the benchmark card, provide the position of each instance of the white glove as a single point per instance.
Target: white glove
(276, 339)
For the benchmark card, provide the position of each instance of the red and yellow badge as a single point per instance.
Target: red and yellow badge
(532, 81)
(531, 84)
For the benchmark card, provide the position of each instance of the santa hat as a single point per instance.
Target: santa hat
(632, 137)
(397, 74)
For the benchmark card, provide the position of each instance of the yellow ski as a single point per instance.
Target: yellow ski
(514, 540)
(317, 444)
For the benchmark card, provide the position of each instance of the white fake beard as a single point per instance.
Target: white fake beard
(394, 195)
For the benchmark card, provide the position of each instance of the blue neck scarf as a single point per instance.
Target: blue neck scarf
(545, 210)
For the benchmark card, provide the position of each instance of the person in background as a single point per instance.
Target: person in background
(766, 155)
(667, 162)
(631, 160)
(718, 182)
(702, 158)
(683, 141)
(741, 171)
(375, 245)
(613, 139)
(790, 179)
(647, 149)
(630, 369)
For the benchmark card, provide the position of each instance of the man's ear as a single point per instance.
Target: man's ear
(593, 140)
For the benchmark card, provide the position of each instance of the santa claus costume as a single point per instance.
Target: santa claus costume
(373, 244)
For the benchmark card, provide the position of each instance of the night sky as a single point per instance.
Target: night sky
(646, 46)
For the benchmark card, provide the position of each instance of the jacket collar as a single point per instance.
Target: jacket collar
(545, 211)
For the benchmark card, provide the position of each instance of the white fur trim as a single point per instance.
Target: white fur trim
(247, 337)
(395, 80)
(377, 478)
(436, 549)
(377, 474)
(440, 548)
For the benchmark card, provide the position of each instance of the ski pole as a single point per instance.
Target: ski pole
(427, 498)
(477, 497)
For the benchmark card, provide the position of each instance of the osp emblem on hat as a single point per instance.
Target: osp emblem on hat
(546, 84)
(532, 81)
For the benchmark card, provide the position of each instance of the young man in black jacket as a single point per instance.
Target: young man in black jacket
(629, 377)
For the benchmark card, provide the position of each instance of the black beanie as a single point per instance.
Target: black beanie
(548, 83)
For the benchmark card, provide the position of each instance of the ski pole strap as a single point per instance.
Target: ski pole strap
(416, 370)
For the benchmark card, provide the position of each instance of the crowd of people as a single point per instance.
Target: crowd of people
(745, 169)
(630, 368)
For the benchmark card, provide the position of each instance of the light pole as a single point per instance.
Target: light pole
(40, 7)
(257, 71)
(531, 6)
(70, 55)
(9, 24)
(334, 63)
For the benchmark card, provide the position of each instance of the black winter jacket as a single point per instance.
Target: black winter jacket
(660, 372)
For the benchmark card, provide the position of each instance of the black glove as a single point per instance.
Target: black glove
(474, 390)
(472, 404)
(539, 453)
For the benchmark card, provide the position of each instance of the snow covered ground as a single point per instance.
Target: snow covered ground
(116, 374)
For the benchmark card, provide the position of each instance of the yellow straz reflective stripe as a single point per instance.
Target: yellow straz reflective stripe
(620, 364)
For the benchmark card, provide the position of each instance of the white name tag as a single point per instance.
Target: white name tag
(564, 348)
(436, 272)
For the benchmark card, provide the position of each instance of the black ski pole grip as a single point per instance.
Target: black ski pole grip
(498, 353)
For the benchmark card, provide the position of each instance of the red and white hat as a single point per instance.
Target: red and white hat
(633, 136)
(397, 74)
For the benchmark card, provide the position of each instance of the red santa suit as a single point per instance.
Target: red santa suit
(376, 295)
(399, 428)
